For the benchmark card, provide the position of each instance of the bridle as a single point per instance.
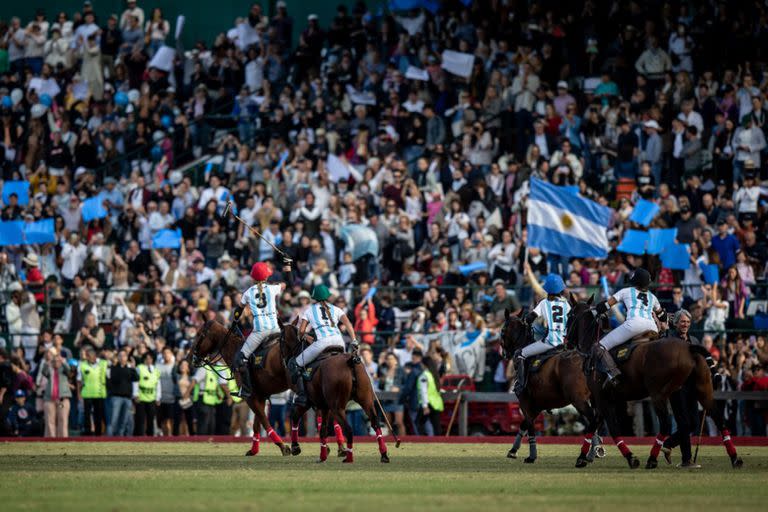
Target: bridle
(572, 326)
(209, 361)
(522, 339)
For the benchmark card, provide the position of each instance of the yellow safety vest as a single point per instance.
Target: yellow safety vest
(212, 394)
(231, 384)
(433, 394)
(94, 379)
(148, 383)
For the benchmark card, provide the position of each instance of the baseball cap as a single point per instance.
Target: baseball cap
(20, 393)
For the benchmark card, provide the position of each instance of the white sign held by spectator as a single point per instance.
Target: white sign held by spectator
(458, 63)
(361, 98)
(246, 36)
(163, 59)
(179, 26)
(337, 169)
(414, 73)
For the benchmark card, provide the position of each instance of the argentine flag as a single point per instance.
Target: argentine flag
(564, 224)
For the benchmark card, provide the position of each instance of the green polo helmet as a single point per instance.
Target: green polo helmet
(321, 292)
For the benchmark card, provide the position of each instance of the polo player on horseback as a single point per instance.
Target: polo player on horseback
(324, 319)
(549, 331)
(261, 299)
(641, 305)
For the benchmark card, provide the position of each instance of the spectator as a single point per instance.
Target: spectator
(122, 376)
(22, 417)
(92, 388)
(146, 395)
(56, 394)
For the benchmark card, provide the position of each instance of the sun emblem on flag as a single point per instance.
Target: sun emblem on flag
(567, 221)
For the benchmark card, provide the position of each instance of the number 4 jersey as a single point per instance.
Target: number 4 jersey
(639, 304)
(555, 313)
(325, 326)
(263, 304)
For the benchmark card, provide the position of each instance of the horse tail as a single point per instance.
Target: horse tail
(698, 350)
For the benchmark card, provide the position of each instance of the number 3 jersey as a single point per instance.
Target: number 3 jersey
(639, 304)
(325, 326)
(554, 312)
(263, 305)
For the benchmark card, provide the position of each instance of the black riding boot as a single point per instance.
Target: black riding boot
(520, 373)
(241, 367)
(609, 364)
(297, 378)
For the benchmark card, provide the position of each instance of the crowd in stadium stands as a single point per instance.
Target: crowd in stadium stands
(364, 121)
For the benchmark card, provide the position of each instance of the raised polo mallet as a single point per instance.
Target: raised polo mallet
(228, 209)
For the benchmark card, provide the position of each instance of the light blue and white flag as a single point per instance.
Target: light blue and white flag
(564, 224)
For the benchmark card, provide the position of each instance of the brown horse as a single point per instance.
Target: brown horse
(336, 380)
(215, 343)
(558, 383)
(655, 369)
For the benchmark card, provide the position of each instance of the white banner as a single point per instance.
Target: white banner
(458, 63)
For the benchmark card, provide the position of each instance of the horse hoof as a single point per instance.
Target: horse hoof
(348, 459)
(512, 454)
(341, 452)
(651, 463)
(295, 449)
(249, 453)
(737, 463)
(667, 455)
(582, 462)
(633, 461)
(529, 460)
(384, 458)
(600, 452)
(320, 460)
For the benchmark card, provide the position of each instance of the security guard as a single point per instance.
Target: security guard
(92, 387)
(212, 390)
(430, 401)
(147, 392)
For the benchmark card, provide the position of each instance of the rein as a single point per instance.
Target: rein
(572, 328)
(209, 361)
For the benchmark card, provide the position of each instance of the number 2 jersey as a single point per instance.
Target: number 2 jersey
(639, 304)
(324, 326)
(555, 312)
(263, 305)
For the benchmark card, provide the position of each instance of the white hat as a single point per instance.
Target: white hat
(31, 259)
(281, 4)
(562, 84)
(303, 294)
(225, 258)
(652, 124)
(80, 171)
(175, 177)
(16, 96)
(134, 95)
(15, 287)
(312, 17)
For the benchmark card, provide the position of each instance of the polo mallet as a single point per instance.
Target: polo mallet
(228, 209)
(381, 408)
(455, 408)
(701, 432)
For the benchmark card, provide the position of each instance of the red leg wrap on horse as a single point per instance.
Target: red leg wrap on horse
(350, 457)
(294, 433)
(622, 446)
(319, 420)
(339, 434)
(380, 440)
(323, 451)
(657, 445)
(729, 447)
(587, 444)
(255, 444)
(274, 436)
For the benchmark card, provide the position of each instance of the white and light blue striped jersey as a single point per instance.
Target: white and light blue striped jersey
(318, 318)
(263, 306)
(555, 313)
(639, 304)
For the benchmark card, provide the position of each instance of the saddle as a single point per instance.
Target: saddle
(309, 370)
(535, 363)
(622, 353)
(259, 356)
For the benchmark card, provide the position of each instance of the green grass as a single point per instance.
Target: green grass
(83, 477)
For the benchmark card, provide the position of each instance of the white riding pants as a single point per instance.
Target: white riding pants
(536, 348)
(255, 339)
(317, 347)
(628, 330)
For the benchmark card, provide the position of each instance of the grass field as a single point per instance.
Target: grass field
(199, 476)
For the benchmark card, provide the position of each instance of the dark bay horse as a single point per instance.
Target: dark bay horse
(336, 380)
(559, 382)
(215, 343)
(655, 369)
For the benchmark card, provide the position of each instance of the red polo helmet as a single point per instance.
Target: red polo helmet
(260, 271)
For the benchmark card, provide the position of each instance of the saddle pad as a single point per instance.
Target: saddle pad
(536, 362)
(623, 352)
(259, 356)
(309, 370)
